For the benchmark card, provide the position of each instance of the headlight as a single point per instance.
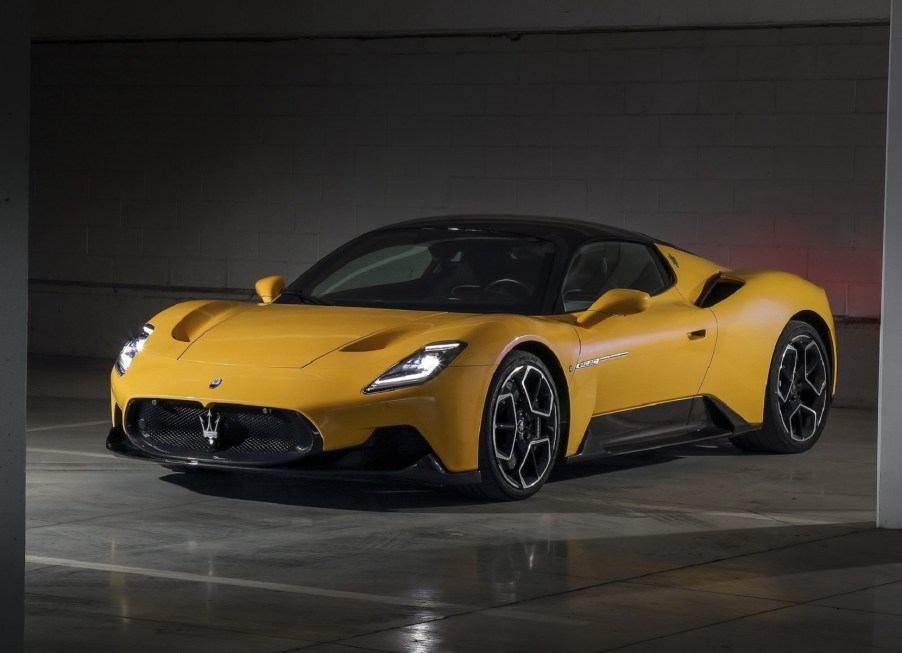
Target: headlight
(132, 348)
(417, 368)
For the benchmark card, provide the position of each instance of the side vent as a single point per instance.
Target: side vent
(717, 289)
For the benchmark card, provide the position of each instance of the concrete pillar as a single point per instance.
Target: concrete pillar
(15, 37)
(889, 420)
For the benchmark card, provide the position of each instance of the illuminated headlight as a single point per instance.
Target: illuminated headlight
(419, 367)
(132, 348)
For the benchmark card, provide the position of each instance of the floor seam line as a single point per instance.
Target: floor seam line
(115, 617)
(622, 580)
(121, 514)
(791, 605)
(247, 584)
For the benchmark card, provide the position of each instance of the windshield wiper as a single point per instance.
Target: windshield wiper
(307, 299)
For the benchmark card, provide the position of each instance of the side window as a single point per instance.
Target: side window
(598, 267)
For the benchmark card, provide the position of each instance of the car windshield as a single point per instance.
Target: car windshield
(471, 271)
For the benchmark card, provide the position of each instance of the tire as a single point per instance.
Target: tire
(798, 394)
(521, 430)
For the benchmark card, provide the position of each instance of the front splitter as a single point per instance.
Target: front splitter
(428, 470)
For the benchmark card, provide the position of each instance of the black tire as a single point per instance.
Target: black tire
(521, 430)
(798, 394)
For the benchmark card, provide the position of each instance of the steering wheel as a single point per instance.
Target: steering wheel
(513, 287)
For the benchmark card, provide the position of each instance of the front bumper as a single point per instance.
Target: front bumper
(446, 411)
(426, 470)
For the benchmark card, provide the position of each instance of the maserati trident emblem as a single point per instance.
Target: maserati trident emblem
(215, 383)
(210, 426)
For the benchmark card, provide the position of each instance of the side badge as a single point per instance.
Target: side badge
(673, 259)
(215, 383)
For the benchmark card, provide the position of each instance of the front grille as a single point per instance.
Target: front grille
(225, 433)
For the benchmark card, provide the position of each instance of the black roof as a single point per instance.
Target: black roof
(570, 231)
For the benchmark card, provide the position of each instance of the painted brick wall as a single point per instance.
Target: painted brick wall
(208, 165)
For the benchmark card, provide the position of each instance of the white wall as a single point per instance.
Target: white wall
(889, 420)
(191, 164)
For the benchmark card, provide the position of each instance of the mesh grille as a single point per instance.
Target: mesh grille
(242, 433)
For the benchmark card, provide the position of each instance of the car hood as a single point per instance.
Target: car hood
(292, 336)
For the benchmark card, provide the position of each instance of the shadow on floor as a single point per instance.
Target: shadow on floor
(321, 490)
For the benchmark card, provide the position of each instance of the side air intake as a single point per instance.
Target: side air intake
(717, 289)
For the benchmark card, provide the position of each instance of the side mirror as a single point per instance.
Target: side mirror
(617, 301)
(270, 287)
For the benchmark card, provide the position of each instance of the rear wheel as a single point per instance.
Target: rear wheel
(798, 394)
(521, 430)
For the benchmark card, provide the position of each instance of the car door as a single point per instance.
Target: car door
(647, 365)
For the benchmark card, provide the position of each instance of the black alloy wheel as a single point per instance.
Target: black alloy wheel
(798, 394)
(521, 430)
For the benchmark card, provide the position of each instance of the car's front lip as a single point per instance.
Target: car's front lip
(427, 470)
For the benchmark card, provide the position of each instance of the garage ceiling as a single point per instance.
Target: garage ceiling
(131, 19)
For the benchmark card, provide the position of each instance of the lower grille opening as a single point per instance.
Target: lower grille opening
(387, 449)
(223, 433)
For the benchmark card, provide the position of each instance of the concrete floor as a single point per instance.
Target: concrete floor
(697, 549)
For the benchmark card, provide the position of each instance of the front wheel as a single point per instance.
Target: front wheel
(521, 430)
(798, 394)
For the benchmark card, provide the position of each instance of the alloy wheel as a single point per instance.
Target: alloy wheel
(524, 427)
(802, 387)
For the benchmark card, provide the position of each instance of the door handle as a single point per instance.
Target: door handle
(698, 334)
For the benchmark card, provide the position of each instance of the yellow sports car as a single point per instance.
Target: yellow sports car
(479, 352)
